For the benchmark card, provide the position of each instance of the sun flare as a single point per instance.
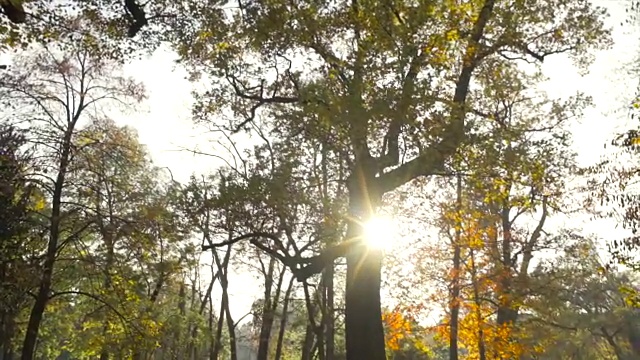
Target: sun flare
(379, 232)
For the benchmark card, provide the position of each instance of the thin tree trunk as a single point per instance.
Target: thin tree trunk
(178, 351)
(328, 274)
(307, 344)
(195, 294)
(224, 306)
(137, 355)
(216, 343)
(42, 296)
(311, 331)
(506, 314)
(267, 313)
(108, 236)
(613, 344)
(476, 298)
(231, 327)
(329, 317)
(218, 339)
(455, 281)
(283, 320)
(7, 332)
(203, 305)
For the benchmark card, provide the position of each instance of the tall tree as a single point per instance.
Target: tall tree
(20, 198)
(56, 91)
(389, 83)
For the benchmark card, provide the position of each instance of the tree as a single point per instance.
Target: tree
(13, 10)
(133, 214)
(110, 28)
(388, 83)
(580, 310)
(120, 289)
(55, 92)
(19, 199)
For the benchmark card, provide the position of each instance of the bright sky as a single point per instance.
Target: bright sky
(166, 126)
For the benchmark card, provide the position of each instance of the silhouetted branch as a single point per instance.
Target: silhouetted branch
(301, 267)
(138, 15)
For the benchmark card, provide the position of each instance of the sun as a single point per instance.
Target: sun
(379, 232)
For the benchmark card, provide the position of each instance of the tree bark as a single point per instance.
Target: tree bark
(267, 312)
(42, 296)
(506, 314)
(178, 350)
(109, 240)
(192, 349)
(283, 320)
(455, 281)
(327, 277)
(363, 317)
(217, 346)
(307, 345)
(476, 298)
(329, 318)
(231, 327)
(8, 331)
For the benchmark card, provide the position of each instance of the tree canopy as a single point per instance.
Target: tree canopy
(329, 117)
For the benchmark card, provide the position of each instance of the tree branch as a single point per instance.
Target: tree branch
(138, 15)
(301, 267)
(260, 99)
(391, 148)
(94, 297)
(434, 158)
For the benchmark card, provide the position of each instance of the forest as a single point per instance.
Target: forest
(380, 179)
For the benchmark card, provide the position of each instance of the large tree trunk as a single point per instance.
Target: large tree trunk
(363, 316)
